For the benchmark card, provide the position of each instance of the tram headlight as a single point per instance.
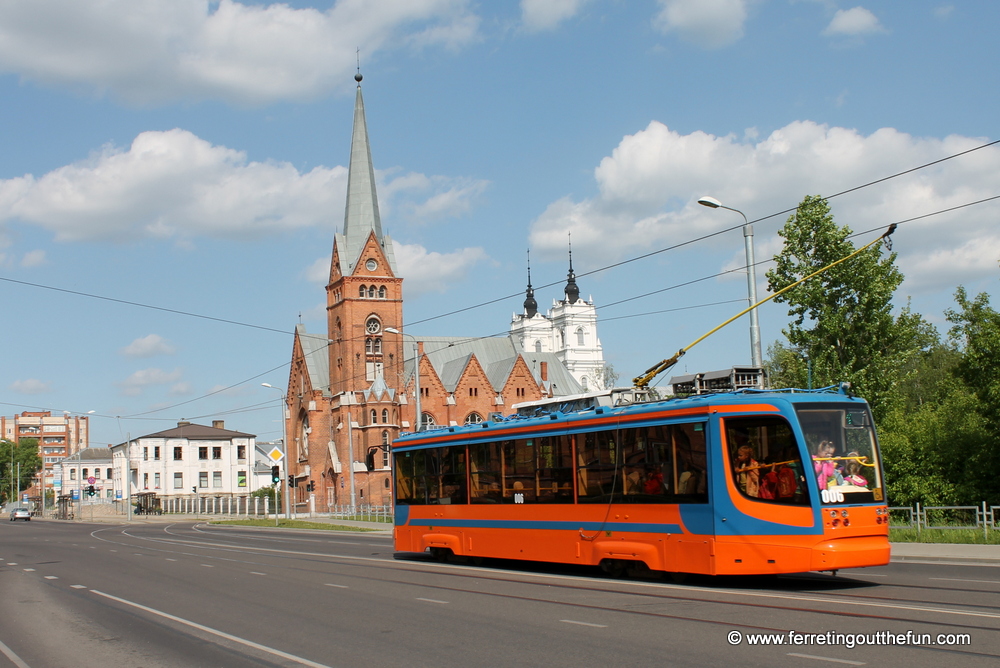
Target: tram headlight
(833, 513)
(843, 513)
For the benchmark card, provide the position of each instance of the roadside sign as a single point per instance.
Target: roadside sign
(276, 455)
(91, 480)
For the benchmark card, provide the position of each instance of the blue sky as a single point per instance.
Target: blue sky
(191, 156)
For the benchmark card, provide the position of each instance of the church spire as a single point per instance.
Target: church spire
(530, 305)
(361, 215)
(572, 291)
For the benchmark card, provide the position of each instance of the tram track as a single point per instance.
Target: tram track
(642, 593)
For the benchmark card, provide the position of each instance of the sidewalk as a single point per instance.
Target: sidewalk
(946, 553)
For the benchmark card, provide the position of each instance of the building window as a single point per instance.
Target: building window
(538, 346)
(385, 449)
(374, 417)
(362, 292)
(378, 346)
(217, 479)
(385, 416)
(145, 454)
(473, 391)
(178, 453)
(108, 476)
(156, 453)
(72, 474)
(178, 480)
(86, 473)
(241, 478)
(217, 452)
(145, 481)
(241, 452)
(370, 346)
(473, 418)
(427, 421)
(373, 326)
(156, 480)
(203, 452)
(381, 292)
(579, 337)
(203, 479)
(371, 292)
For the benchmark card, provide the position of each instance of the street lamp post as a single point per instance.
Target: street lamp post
(284, 449)
(755, 353)
(416, 375)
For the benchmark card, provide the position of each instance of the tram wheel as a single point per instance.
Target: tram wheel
(615, 568)
(440, 553)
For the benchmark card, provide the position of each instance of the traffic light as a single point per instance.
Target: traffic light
(291, 480)
(275, 475)
(310, 486)
(90, 490)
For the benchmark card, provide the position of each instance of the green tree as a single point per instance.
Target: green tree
(842, 320)
(25, 453)
(976, 332)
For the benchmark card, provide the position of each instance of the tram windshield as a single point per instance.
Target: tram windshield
(844, 452)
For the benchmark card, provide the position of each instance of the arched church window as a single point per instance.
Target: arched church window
(427, 421)
(370, 346)
(374, 417)
(538, 346)
(385, 416)
(373, 326)
(362, 292)
(371, 292)
(473, 418)
(378, 346)
(579, 336)
(381, 292)
(304, 437)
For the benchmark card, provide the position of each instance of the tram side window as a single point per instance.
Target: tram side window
(451, 467)
(555, 469)
(406, 479)
(519, 471)
(691, 469)
(646, 465)
(485, 472)
(598, 467)
(764, 460)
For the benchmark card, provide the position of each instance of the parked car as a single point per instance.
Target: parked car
(20, 514)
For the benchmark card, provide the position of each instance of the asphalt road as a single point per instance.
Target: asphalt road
(189, 594)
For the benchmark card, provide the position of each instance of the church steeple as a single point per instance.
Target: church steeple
(572, 291)
(361, 215)
(530, 305)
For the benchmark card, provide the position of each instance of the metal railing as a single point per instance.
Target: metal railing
(919, 517)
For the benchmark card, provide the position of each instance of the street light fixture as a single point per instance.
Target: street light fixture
(416, 374)
(755, 353)
(284, 448)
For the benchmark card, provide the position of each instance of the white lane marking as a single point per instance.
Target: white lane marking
(208, 565)
(431, 600)
(51, 577)
(14, 658)
(826, 658)
(78, 586)
(337, 586)
(221, 634)
(256, 573)
(29, 570)
(868, 575)
(572, 621)
(11, 563)
(995, 582)
(169, 559)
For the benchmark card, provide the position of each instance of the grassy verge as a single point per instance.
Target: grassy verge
(968, 536)
(292, 524)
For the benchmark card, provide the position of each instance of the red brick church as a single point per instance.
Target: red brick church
(351, 390)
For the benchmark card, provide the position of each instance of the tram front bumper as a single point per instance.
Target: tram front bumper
(852, 552)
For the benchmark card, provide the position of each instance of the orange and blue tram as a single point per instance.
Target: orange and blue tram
(749, 482)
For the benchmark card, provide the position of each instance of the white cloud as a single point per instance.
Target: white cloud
(649, 185)
(853, 22)
(140, 380)
(148, 346)
(174, 185)
(151, 51)
(709, 23)
(30, 386)
(33, 258)
(538, 15)
(425, 271)
(318, 271)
